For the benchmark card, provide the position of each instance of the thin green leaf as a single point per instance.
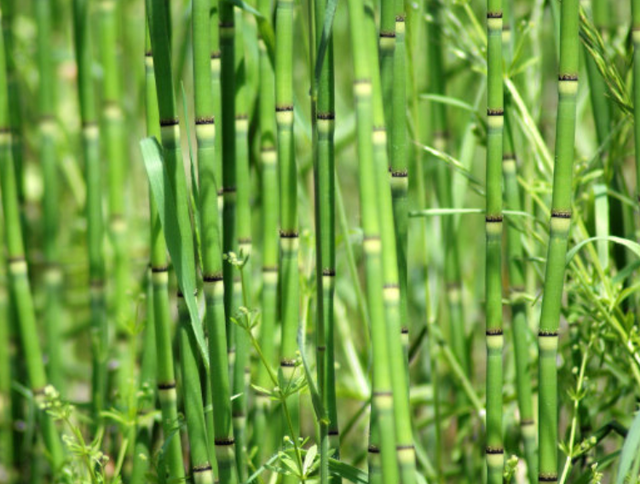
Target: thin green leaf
(630, 450)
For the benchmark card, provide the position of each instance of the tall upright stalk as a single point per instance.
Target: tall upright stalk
(241, 370)
(211, 240)
(18, 278)
(115, 151)
(325, 239)
(48, 160)
(165, 373)
(289, 303)
(7, 447)
(396, 333)
(383, 466)
(493, 268)
(93, 210)
(635, 4)
(558, 238)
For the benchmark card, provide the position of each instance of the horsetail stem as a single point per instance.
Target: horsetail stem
(165, 373)
(115, 151)
(494, 338)
(93, 210)
(211, 239)
(558, 239)
(48, 160)
(289, 291)
(635, 33)
(383, 466)
(269, 215)
(20, 291)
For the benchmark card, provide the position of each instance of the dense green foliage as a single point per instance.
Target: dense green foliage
(282, 241)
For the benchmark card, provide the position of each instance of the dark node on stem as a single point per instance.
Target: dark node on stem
(493, 219)
(166, 385)
(545, 333)
(321, 348)
(527, 421)
(371, 237)
(379, 129)
(547, 477)
(289, 234)
(142, 412)
(508, 157)
(333, 432)
(238, 414)
(5, 129)
(267, 149)
(215, 54)
(326, 116)
(382, 393)
(96, 283)
(244, 240)
(568, 77)
(494, 450)
(241, 116)
(169, 122)
(399, 18)
(361, 81)
(181, 295)
(506, 27)
(225, 441)
(148, 53)
(453, 285)
(226, 25)
(284, 109)
(388, 35)
(201, 468)
(270, 269)
(215, 277)
(399, 173)
(224, 190)
(89, 124)
(495, 112)
(372, 449)
(405, 447)
(205, 120)
(16, 258)
(494, 14)
(231, 351)
(47, 117)
(158, 269)
(329, 272)
(561, 213)
(390, 286)
(287, 363)
(494, 332)
(404, 330)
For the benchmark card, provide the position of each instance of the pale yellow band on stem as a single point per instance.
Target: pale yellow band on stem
(548, 343)
(567, 87)
(495, 460)
(167, 394)
(284, 117)
(495, 341)
(160, 277)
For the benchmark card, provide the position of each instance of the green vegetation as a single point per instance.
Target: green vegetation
(319, 241)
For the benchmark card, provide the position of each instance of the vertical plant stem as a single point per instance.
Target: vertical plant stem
(269, 194)
(241, 370)
(325, 242)
(95, 223)
(115, 152)
(493, 268)
(558, 238)
(165, 373)
(48, 161)
(383, 466)
(635, 4)
(18, 277)
(396, 333)
(211, 240)
(289, 290)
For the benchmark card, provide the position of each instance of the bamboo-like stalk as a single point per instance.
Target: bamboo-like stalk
(289, 290)
(48, 161)
(396, 332)
(211, 242)
(7, 447)
(325, 243)
(95, 223)
(493, 269)
(18, 278)
(201, 468)
(241, 370)
(269, 215)
(520, 328)
(145, 401)
(558, 238)
(382, 459)
(165, 374)
(217, 93)
(452, 276)
(115, 152)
